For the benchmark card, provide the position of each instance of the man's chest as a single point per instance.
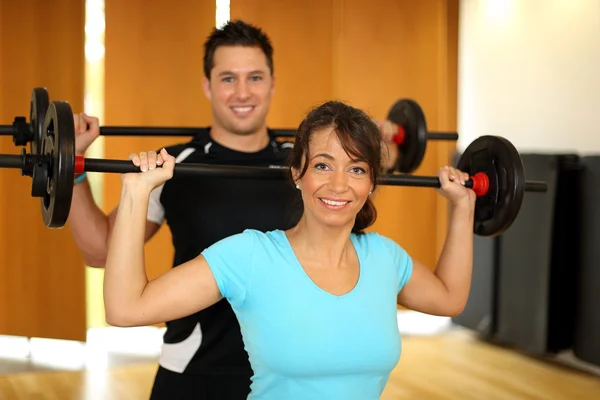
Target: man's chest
(213, 208)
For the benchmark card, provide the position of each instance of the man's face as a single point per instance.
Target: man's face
(240, 89)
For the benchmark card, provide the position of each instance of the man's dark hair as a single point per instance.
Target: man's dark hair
(236, 33)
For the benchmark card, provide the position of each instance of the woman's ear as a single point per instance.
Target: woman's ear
(296, 177)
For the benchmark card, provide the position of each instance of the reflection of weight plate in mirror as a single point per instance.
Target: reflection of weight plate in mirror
(496, 174)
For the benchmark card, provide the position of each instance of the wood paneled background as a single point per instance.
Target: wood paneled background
(42, 278)
(366, 53)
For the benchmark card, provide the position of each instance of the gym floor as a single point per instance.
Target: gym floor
(448, 362)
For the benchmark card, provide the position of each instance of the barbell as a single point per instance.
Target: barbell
(411, 137)
(495, 168)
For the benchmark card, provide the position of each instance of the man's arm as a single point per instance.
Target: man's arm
(389, 149)
(389, 155)
(92, 228)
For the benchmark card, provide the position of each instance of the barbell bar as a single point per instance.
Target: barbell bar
(172, 131)
(411, 137)
(494, 166)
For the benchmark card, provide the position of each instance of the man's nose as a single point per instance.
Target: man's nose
(243, 89)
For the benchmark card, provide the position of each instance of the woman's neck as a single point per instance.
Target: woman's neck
(320, 244)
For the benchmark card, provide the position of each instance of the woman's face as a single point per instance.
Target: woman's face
(335, 186)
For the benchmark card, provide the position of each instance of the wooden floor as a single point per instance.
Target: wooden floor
(453, 365)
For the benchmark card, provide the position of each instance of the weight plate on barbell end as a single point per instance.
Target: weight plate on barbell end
(40, 100)
(39, 180)
(409, 114)
(58, 146)
(500, 160)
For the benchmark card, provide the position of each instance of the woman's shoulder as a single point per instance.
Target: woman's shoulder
(369, 237)
(375, 241)
(264, 238)
(248, 241)
(263, 235)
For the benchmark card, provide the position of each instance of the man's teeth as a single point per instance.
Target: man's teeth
(334, 203)
(242, 109)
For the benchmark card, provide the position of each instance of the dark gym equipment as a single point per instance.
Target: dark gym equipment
(497, 178)
(532, 268)
(538, 261)
(587, 317)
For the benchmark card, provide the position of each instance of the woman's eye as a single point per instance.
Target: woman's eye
(358, 170)
(321, 166)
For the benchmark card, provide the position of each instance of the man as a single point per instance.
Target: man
(203, 355)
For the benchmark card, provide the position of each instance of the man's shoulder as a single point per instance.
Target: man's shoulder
(202, 149)
(281, 143)
(183, 149)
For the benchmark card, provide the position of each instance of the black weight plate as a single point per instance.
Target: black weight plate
(498, 158)
(408, 113)
(37, 116)
(58, 148)
(39, 180)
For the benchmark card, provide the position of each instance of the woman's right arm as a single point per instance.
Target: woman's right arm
(130, 299)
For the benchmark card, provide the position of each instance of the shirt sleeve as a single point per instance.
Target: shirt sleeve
(231, 262)
(156, 211)
(402, 261)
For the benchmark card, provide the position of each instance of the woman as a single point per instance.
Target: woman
(316, 303)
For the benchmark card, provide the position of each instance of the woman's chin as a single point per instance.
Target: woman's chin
(337, 221)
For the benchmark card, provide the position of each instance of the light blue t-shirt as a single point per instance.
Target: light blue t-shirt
(303, 342)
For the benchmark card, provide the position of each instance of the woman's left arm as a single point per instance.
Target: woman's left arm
(445, 290)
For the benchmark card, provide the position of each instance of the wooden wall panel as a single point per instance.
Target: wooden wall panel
(300, 33)
(447, 100)
(153, 77)
(42, 276)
